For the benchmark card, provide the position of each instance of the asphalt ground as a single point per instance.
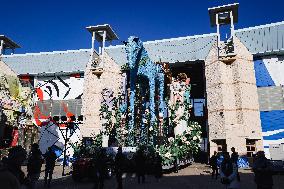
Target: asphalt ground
(195, 176)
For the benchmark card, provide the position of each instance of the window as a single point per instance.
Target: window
(251, 147)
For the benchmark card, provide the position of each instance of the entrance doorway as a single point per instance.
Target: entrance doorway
(196, 72)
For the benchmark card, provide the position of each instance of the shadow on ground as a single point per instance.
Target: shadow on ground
(201, 180)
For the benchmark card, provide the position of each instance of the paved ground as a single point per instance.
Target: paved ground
(196, 176)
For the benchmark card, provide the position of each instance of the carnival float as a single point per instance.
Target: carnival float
(151, 111)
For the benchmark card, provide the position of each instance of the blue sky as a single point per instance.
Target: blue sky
(51, 25)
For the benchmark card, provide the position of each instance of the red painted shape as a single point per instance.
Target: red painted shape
(68, 113)
(39, 94)
(38, 115)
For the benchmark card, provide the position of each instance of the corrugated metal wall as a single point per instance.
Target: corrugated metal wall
(263, 39)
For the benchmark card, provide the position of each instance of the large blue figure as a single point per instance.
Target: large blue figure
(141, 66)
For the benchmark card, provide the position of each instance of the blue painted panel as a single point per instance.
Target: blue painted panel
(263, 78)
(274, 137)
(272, 120)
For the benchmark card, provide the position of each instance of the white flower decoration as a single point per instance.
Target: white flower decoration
(171, 139)
(189, 129)
(168, 155)
(188, 132)
(145, 121)
(124, 131)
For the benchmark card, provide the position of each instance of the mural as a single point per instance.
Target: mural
(59, 134)
(61, 87)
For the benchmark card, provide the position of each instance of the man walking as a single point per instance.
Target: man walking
(213, 164)
(262, 171)
(50, 158)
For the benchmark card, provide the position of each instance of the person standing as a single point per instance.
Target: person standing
(119, 163)
(158, 169)
(234, 159)
(262, 171)
(140, 162)
(34, 166)
(228, 172)
(213, 164)
(50, 158)
(101, 168)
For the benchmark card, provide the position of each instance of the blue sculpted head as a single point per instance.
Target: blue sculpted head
(133, 48)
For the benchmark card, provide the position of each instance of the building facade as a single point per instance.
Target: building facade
(239, 104)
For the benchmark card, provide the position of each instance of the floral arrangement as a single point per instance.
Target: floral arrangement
(182, 146)
(14, 99)
(81, 150)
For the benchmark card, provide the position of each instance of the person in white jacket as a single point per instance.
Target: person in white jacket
(228, 173)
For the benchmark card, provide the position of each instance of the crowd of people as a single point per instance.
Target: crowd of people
(100, 171)
(228, 170)
(12, 176)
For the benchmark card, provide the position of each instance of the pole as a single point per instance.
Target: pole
(1, 47)
(93, 42)
(232, 25)
(65, 145)
(218, 28)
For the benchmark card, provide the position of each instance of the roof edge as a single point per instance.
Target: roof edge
(42, 53)
(260, 26)
(52, 73)
(169, 39)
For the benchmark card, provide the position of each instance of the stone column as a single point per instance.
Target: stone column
(233, 109)
(93, 86)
